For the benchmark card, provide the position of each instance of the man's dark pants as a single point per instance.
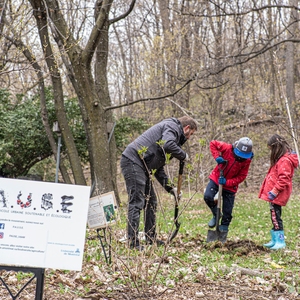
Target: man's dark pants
(141, 196)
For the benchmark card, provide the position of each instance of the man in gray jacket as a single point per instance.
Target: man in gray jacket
(144, 157)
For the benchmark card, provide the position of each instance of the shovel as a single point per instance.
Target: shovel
(217, 235)
(177, 224)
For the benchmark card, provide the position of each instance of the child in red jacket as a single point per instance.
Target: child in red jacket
(234, 160)
(277, 185)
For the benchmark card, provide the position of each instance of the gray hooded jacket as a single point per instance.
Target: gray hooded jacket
(169, 133)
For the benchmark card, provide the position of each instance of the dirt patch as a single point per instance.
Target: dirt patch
(239, 248)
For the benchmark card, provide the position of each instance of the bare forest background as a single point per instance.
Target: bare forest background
(106, 70)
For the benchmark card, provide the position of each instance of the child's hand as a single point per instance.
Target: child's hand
(220, 160)
(222, 180)
(271, 195)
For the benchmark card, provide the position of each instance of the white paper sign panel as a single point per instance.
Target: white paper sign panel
(103, 210)
(42, 224)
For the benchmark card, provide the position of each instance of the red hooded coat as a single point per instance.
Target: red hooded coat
(235, 172)
(279, 179)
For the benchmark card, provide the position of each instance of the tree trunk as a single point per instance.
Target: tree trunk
(41, 19)
(92, 93)
(290, 54)
(109, 170)
(44, 113)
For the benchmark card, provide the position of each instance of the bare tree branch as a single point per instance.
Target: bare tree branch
(226, 13)
(151, 99)
(125, 14)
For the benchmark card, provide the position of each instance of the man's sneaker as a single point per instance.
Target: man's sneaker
(134, 244)
(137, 247)
(212, 222)
(159, 243)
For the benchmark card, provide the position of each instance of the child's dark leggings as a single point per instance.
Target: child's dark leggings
(276, 217)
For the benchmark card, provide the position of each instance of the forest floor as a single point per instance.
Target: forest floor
(238, 283)
(188, 268)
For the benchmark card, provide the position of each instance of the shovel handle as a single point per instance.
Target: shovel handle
(220, 196)
(181, 166)
(219, 204)
(176, 211)
(218, 214)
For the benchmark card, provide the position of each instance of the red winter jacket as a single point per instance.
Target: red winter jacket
(279, 179)
(235, 172)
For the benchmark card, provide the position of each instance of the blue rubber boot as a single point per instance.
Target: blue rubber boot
(212, 223)
(223, 228)
(279, 240)
(272, 242)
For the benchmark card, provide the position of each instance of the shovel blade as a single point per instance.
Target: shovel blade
(174, 233)
(215, 235)
(212, 235)
(223, 237)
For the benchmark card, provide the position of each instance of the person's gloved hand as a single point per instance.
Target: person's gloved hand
(222, 180)
(272, 195)
(220, 160)
(173, 192)
(186, 159)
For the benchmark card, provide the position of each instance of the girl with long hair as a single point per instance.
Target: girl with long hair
(277, 186)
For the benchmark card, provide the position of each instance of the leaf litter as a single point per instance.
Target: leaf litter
(99, 281)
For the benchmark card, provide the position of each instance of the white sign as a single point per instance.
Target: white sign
(42, 224)
(102, 211)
